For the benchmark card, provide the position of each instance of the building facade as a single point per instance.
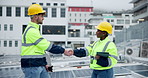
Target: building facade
(140, 9)
(14, 19)
(118, 20)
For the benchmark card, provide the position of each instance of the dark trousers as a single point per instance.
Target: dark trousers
(103, 73)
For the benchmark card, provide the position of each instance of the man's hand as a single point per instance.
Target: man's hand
(97, 57)
(49, 68)
(68, 52)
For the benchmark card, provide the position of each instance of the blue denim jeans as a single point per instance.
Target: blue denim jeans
(35, 72)
(103, 73)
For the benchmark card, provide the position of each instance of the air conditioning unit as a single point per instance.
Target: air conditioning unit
(132, 51)
(144, 49)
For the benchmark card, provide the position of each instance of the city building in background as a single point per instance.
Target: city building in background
(118, 20)
(134, 39)
(140, 9)
(55, 28)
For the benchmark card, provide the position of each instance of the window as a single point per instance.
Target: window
(5, 27)
(16, 43)
(75, 20)
(85, 20)
(33, 3)
(54, 12)
(5, 43)
(18, 11)
(126, 15)
(70, 14)
(0, 43)
(120, 21)
(134, 21)
(88, 27)
(8, 11)
(26, 12)
(11, 27)
(62, 4)
(48, 4)
(108, 20)
(6, 69)
(112, 20)
(53, 30)
(127, 21)
(62, 12)
(80, 20)
(73, 33)
(0, 27)
(118, 27)
(41, 4)
(89, 33)
(55, 4)
(70, 20)
(10, 43)
(1, 11)
(75, 14)
(80, 15)
(46, 9)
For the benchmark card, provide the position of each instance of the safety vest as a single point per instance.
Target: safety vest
(102, 46)
(33, 46)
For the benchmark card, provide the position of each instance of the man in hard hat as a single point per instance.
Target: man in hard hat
(33, 60)
(103, 53)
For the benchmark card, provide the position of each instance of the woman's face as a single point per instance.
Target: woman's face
(99, 33)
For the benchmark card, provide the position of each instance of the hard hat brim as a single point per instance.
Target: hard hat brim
(44, 12)
(102, 30)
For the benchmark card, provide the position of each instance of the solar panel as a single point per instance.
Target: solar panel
(83, 73)
(137, 67)
(144, 73)
(121, 71)
(62, 74)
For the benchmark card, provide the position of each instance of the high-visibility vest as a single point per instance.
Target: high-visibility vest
(33, 44)
(102, 46)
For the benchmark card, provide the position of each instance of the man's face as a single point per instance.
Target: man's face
(99, 33)
(40, 18)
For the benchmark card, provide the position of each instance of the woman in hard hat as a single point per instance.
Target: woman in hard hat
(103, 53)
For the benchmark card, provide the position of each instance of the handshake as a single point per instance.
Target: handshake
(68, 52)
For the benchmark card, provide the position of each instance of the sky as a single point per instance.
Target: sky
(111, 5)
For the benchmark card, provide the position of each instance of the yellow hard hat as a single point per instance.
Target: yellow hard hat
(105, 26)
(35, 9)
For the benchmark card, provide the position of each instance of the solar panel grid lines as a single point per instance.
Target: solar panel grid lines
(73, 74)
(136, 67)
(62, 74)
(143, 73)
(77, 74)
(82, 73)
(120, 71)
(16, 72)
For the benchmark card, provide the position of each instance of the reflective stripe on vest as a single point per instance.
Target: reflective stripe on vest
(30, 44)
(24, 36)
(93, 44)
(33, 56)
(105, 47)
(109, 60)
